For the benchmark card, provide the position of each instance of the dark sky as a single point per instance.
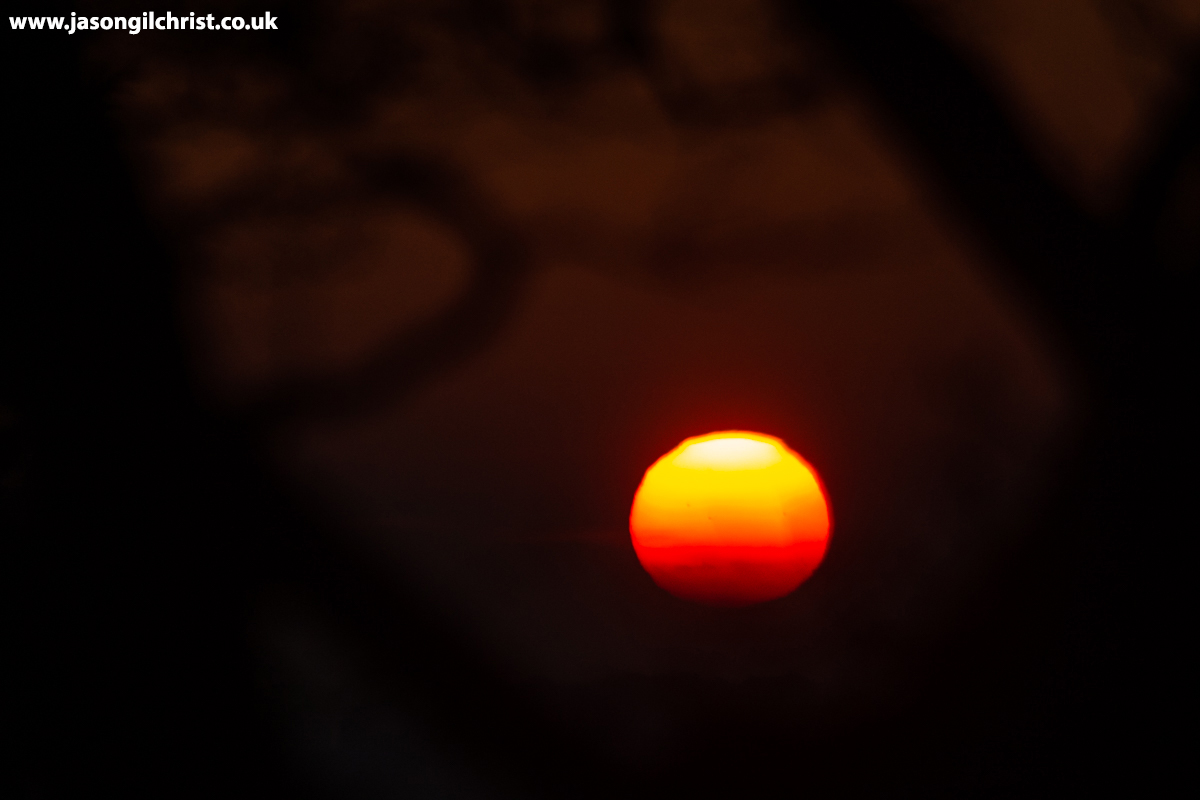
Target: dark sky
(337, 355)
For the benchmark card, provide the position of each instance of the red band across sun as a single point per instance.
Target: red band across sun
(731, 518)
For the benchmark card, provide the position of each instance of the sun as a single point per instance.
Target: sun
(730, 518)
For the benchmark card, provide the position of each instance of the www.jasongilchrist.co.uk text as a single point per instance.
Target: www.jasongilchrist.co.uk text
(148, 21)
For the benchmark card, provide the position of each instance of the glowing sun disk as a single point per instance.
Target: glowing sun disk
(730, 518)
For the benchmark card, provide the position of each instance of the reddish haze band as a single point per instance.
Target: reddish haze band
(731, 518)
